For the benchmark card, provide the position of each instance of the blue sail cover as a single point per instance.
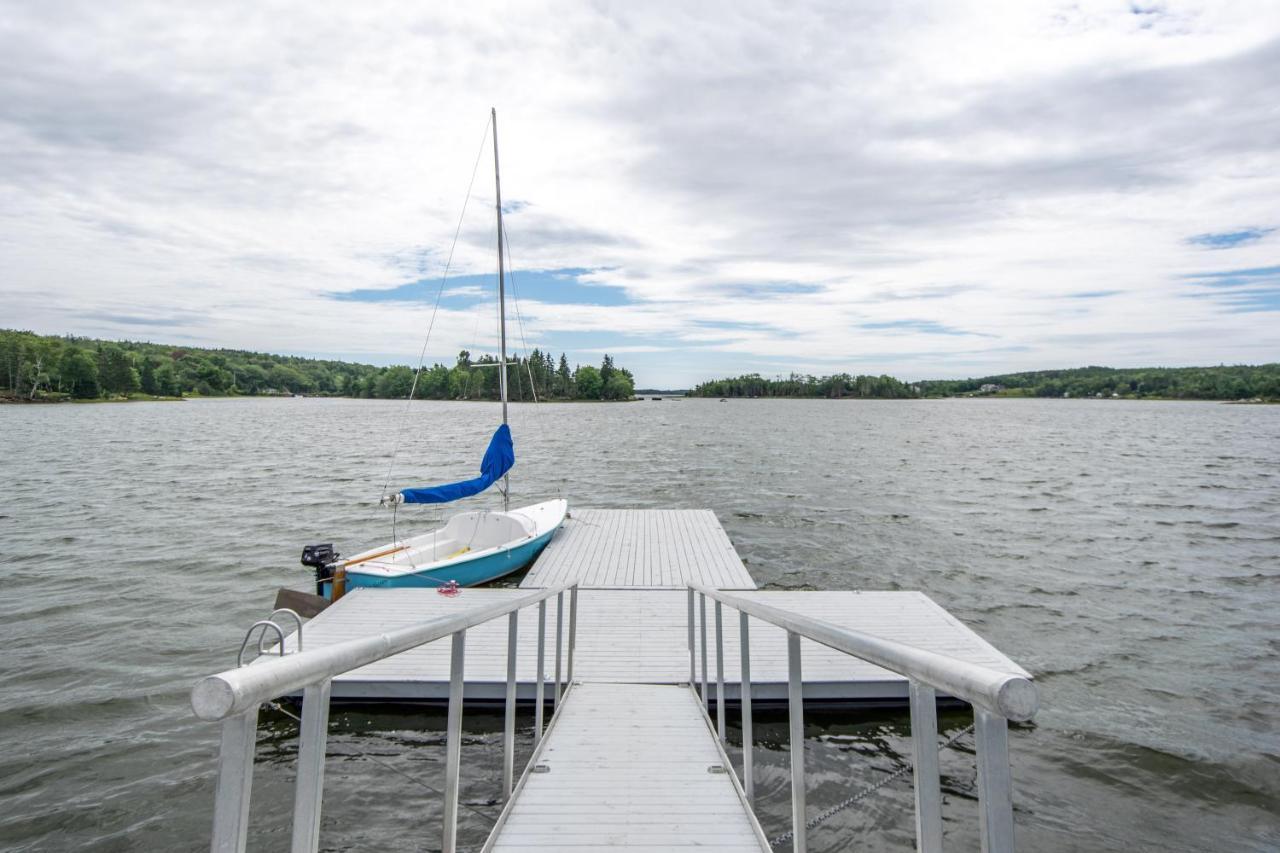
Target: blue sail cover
(497, 461)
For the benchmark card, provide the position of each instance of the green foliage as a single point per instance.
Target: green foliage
(586, 379)
(1239, 382)
(79, 374)
(395, 383)
(39, 367)
(839, 385)
(1179, 383)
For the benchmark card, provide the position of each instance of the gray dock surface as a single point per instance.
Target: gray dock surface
(627, 769)
(632, 620)
(641, 636)
(640, 548)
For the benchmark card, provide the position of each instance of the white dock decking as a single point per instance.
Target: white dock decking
(606, 786)
(639, 549)
(641, 636)
(632, 566)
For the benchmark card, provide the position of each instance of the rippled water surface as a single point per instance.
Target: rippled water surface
(1127, 553)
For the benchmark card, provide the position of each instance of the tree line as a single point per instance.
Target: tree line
(1224, 382)
(833, 387)
(1238, 382)
(50, 368)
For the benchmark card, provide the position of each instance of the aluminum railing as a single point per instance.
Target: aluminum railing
(996, 697)
(234, 697)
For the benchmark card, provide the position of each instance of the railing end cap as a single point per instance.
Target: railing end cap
(1018, 699)
(212, 698)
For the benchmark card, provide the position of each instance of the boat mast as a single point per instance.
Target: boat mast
(502, 301)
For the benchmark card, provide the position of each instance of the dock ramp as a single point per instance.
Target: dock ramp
(628, 767)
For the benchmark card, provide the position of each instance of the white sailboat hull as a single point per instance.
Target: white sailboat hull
(471, 548)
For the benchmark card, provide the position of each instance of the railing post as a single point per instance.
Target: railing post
(559, 635)
(509, 720)
(720, 713)
(995, 782)
(313, 736)
(453, 742)
(573, 631)
(702, 610)
(744, 644)
(795, 707)
(235, 782)
(542, 655)
(924, 748)
(693, 668)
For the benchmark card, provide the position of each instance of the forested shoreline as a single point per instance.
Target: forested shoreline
(1236, 382)
(46, 368)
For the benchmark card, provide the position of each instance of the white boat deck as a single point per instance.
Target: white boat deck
(640, 549)
(640, 636)
(606, 786)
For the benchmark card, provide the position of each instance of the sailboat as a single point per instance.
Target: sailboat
(472, 547)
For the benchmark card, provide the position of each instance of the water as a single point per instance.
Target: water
(1127, 553)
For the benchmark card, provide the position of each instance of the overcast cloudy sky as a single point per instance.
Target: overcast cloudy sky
(927, 190)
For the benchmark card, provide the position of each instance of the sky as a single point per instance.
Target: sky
(928, 190)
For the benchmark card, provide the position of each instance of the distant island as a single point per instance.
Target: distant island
(1239, 382)
(44, 368)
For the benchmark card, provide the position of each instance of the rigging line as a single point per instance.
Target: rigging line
(515, 299)
(475, 337)
(395, 447)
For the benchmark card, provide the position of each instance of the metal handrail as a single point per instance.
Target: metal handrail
(235, 696)
(996, 697)
(236, 690)
(1013, 697)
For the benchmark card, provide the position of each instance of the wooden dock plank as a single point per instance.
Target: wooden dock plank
(608, 787)
(642, 549)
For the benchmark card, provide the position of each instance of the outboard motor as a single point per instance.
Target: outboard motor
(322, 558)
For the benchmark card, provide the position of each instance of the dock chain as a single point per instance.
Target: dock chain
(865, 792)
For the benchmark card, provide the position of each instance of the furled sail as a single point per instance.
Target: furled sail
(498, 459)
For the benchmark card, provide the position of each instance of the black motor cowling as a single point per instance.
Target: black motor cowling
(321, 558)
(318, 556)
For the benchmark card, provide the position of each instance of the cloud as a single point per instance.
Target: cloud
(1248, 291)
(765, 187)
(1229, 239)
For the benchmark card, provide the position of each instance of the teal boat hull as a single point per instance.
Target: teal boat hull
(482, 569)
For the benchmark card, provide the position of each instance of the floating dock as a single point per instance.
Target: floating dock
(631, 758)
(632, 567)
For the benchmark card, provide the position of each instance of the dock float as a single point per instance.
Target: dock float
(657, 624)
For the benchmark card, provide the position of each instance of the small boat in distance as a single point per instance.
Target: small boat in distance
(472, 547)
